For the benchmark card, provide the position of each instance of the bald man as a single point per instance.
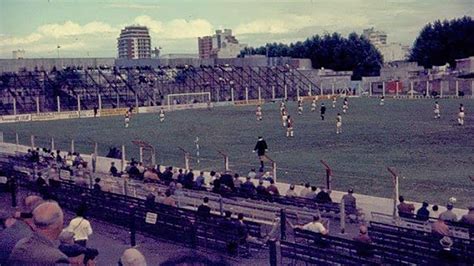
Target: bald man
(40, 248)
(22, 227)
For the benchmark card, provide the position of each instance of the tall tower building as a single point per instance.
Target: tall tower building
(134, 42)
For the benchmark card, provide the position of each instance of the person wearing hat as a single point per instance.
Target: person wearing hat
(22, 227)
(469, 217)
(449, 215)
(446, 256)
(261, 147)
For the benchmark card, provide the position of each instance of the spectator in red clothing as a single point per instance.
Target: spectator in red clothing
(405, 210)
(363, 236)
(439, 228)
(272, 189)
(469, 217)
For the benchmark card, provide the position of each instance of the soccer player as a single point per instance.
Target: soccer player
(261, 147)
(338, 123)
(258, 113)
(162, 115)
(323, 111)
(300, 107)
(334, 99)
(284, 117)
(313, 105)
(382, 100)
(461, 114)
(282, 105)
(345, 105)
(437, 111)
(127, 118)
(289, 128)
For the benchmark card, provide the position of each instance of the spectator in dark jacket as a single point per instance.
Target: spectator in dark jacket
(204, 211)
(248, 188)
(323, 197)
(423, 214)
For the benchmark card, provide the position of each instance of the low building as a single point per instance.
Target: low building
(465, 65)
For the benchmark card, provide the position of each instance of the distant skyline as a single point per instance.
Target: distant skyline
(86, 28)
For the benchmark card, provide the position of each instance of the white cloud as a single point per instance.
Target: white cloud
(13, 41)
(289, 23)
(70, 28)
(133, 6)
(176, 28)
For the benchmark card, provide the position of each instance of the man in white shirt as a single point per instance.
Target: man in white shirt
(80, 227)
(315, 226)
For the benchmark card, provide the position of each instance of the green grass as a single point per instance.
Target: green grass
(435, 157)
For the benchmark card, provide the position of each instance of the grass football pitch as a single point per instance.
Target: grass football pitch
(434, 157)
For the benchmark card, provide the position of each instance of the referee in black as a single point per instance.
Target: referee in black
(261, 147)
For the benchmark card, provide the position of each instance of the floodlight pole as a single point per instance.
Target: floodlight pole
(226, 160)
(328, 174)
(395, 190)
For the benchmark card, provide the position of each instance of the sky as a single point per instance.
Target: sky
(88, 28)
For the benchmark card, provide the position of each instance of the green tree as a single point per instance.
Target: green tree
(331, 51)
(443, 42)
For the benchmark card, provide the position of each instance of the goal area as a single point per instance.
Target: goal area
(189, 100)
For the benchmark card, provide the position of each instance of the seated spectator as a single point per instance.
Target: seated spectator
(291, 192)
(273, 189)
(77, 160)
(446, 256)
(200, 181)
(243, 232)
(315, 226)
(150, 203)
(59, 159)
(21, 227)
(423, 214)
(435, 211)
(439, 228)
(449, 215)
(141, 168)
(350, 202)
(40, 182)
(305, 190)
(78, 255)
(40, 248)
(226, 179)
(237, 182)
(168, 175)
(261, 189)
(363, 236)
(150, 176)
(97, 187)
(469, 217)
(252, 174)
(113, 170)
(405, 210)
(323, 196)
(179, 176)
(204, 211)
(168, 200)
(69, 160)
(132, 257)
(134, 172)
(312, 194)
(188, 181)
(216, 185)
(248, 188)
(363, 242)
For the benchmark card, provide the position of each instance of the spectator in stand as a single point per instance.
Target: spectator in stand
(141, 168)
(21, 228)
(81, 227)
(252, 174)
(168, 175)
(204, 211)
(188, 181)
(305, 190)
(133, 172)
(273, 189)
(150, 202)
(446, 256)
(312, 194)
(200, 181)
(349, 200)
(237, 182)
(363, 236)
(435, 211)
(323, 196)
(69, 160)
(216, 185)
(132, 257)
(40, 182)
(405, 210)
(423, 214)
(291, 193)
(439, 228)
(469, 217)
(150, 176)
(59, 159)
(97, 187)
(248, 187)
(113, 170)
(449, 215)
(168, 200)
(78, 255)
(261, 189)
(78, 160)
(128, 166)
(226, 179)
(40, 248)
(179, 176)
(315, 226)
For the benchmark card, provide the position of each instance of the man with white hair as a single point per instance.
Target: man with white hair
(132, 257)
(23, 227)
(40, 248)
